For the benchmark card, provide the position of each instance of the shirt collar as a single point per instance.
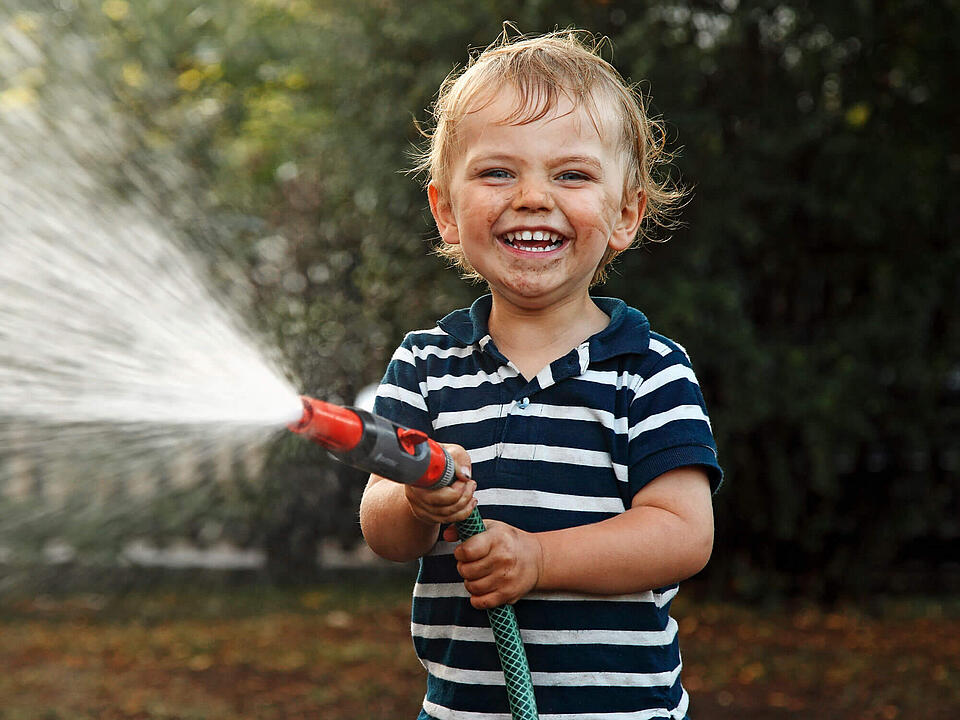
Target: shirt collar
(627, 332)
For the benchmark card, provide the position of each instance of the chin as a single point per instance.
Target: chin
(528, 296)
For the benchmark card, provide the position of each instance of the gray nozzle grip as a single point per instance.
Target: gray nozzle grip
(379, 452)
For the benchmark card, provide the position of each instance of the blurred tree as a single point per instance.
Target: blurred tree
(813, 282)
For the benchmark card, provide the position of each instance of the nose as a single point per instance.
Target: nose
(532, 196)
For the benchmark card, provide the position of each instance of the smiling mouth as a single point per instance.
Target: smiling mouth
(534, 241)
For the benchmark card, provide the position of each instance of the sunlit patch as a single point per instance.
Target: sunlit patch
(17, 97)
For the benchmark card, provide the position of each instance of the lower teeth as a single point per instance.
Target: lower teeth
(554, 246)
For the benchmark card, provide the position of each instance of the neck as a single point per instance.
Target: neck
(533, 337)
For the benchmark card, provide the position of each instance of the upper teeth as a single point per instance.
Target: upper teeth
(537, 236)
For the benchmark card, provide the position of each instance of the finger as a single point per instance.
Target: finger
(491, 600)
(423, 507)
(484, 572)
(464, 512)
(474, 549)
(459, 489)
(460, 502)
(481, 587)
(461, 460)
(493, 589)
(446, 497)
(454, 514)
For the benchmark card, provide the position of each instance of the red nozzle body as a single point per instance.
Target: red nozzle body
(375, 444)
(336, 428)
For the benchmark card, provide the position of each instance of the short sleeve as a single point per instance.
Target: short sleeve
(401, 394)
(669, 426)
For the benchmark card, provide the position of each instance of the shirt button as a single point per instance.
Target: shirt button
(522, 404)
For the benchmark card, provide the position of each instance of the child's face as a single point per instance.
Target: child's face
(535, 206)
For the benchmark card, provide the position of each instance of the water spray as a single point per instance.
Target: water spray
(113, 351)
(377, 445)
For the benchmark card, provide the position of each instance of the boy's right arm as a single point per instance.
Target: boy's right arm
(402, 522)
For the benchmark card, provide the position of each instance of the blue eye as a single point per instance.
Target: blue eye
(496, 173)
(573, 175)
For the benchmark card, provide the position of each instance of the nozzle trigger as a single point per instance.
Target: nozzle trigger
(410, 438)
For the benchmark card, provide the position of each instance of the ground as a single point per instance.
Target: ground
(342, 651)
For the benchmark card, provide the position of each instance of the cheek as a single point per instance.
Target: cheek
(612, 203)
(483, 208)
(612, 212)
(600, 215)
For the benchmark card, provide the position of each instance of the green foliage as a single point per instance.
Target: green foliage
(813, 282)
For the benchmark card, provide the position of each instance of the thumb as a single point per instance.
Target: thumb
(461, 460)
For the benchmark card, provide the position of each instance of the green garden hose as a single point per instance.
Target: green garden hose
(506, 636)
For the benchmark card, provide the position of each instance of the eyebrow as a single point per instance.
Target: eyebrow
(589, 160)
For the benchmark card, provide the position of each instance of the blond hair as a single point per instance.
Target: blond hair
(541, 69)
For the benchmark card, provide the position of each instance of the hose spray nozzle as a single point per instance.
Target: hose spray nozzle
(374, 444)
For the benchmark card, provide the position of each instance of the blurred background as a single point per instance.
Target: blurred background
(813, 282)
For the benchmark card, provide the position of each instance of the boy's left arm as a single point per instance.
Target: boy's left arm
(666, 536)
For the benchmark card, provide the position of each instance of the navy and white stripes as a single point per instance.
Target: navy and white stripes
(569, 447)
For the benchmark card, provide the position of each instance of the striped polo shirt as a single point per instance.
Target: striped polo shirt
(568, 447)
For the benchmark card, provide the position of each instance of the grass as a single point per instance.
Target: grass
(344, 652)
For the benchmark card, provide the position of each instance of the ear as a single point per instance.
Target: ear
(631, 214)
(443, 215)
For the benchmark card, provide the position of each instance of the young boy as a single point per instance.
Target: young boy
(582, 434)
